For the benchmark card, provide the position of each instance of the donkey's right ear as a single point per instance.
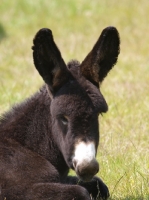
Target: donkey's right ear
(48, 60)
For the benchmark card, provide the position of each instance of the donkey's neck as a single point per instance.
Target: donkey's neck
(29, 123)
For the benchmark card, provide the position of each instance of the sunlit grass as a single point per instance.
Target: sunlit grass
(124, 143)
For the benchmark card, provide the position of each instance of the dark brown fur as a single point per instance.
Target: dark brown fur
(37, 137)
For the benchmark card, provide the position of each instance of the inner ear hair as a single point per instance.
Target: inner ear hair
(102, 57)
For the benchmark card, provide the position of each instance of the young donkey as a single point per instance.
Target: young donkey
(57, 128)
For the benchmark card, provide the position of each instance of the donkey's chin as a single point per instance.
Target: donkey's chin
(85, 178)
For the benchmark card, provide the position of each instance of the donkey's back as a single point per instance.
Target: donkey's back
(57, 128)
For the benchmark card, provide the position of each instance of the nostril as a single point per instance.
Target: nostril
(97, 169)
(74, 163)
(93, 168)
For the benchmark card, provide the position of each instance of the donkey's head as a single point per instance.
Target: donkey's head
(76, 100)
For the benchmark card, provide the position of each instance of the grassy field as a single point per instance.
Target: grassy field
(76, 24)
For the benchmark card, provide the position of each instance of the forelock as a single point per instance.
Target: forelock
(73, 64)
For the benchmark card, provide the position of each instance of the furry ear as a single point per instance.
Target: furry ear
(48, 60)
(102, 57)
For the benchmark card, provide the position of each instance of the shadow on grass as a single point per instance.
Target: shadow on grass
(2, 32)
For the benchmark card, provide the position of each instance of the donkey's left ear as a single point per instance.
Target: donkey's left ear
(102, 57)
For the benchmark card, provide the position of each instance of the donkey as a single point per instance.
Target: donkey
(56, 129)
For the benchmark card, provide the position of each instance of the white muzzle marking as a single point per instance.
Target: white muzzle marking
(84, 152)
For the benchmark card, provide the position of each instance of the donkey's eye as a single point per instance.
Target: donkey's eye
(64, 120)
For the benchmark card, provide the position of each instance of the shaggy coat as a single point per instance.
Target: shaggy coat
(57, 128)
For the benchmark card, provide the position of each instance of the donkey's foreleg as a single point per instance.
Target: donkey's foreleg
(57, 191)
(96, 187)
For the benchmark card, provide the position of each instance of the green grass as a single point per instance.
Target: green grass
(124, 146)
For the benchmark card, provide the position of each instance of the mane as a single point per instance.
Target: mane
(73, 63)
(74, 68)
(19, 109)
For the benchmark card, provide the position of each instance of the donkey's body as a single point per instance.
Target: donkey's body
(57, 128)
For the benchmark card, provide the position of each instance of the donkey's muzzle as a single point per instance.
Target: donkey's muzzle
(84, 161)
(85, 170)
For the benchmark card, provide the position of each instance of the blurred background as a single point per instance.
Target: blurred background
(124, 145)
